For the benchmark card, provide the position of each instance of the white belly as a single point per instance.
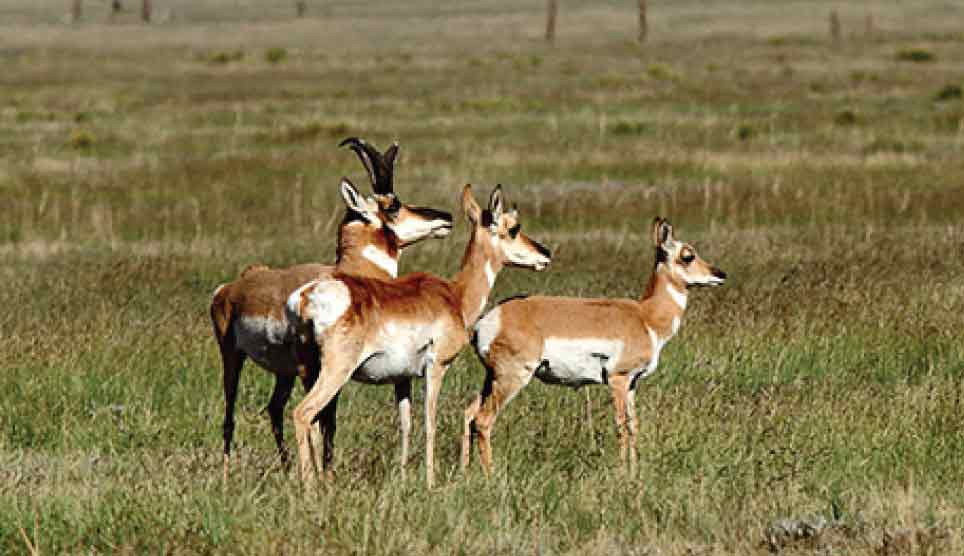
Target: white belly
(579, 361)
(265, 341)
(405, 351)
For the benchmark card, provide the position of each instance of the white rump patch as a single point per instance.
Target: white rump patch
(326, 302)
(678, 296)
(487, 329)
(578, 361)
(217, 290)
(381, 259)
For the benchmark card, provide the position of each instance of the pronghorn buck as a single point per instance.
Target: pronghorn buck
(379, 332)
(578, 341)
(248, 314)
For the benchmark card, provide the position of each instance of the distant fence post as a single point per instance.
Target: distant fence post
(76, 10)
(146, 11)
(643, 25)
(834, 26)
(551, 8)
(869, 24)
(301, 7)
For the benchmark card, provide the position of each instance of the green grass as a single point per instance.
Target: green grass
(825, 378)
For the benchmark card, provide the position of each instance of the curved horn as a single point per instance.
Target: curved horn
(379, 170)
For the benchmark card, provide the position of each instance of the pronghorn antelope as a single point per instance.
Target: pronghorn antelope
(578, 341)
(248, 314)
(379, 332)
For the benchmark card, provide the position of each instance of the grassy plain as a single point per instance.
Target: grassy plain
(142, 166)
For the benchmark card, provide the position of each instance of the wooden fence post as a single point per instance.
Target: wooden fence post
(146, 11)
(552, 7)
(76, 11)
(643, 25)
(834, 26)
(301, 7)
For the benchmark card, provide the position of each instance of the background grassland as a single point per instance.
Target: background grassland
(142, 166)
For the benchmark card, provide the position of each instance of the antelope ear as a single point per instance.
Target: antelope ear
(471, 209)
(496, 203)
(662, 233)
(353, 199)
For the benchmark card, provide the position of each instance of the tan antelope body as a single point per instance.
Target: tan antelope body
(579, 341)
(379, 332)
(248, 314)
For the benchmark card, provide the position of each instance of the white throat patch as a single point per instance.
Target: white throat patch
(657, 347)
(489, 274)
(678, 296)
(381, 259)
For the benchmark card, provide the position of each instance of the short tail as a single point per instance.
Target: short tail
(221, 311)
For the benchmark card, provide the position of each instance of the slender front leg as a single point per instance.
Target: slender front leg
(403, 399)
(618, 385)
(433, 385)
(308, 359)
(339, 364)
(633, 427)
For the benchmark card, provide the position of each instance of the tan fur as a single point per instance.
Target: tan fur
(260, 292)
(518, 351)
(441, 310)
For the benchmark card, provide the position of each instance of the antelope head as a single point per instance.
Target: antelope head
(409, 223)
(680, 259)
(500, 232)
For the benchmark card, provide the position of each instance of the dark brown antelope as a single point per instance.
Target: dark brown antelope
(389, 332)
(248, 314)
(577, 341)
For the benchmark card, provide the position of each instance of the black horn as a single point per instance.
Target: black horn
(380, 167)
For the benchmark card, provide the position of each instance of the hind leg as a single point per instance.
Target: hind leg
(328, 425)
(232, 360)
(508, 377)
(276, 407)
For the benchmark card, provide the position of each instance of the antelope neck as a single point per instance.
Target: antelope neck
(475, 279)
(666, 298)
(366, 252)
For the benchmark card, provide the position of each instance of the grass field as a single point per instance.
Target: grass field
(140, 167)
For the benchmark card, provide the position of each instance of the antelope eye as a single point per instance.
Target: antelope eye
(687, 257)
(514, 230)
